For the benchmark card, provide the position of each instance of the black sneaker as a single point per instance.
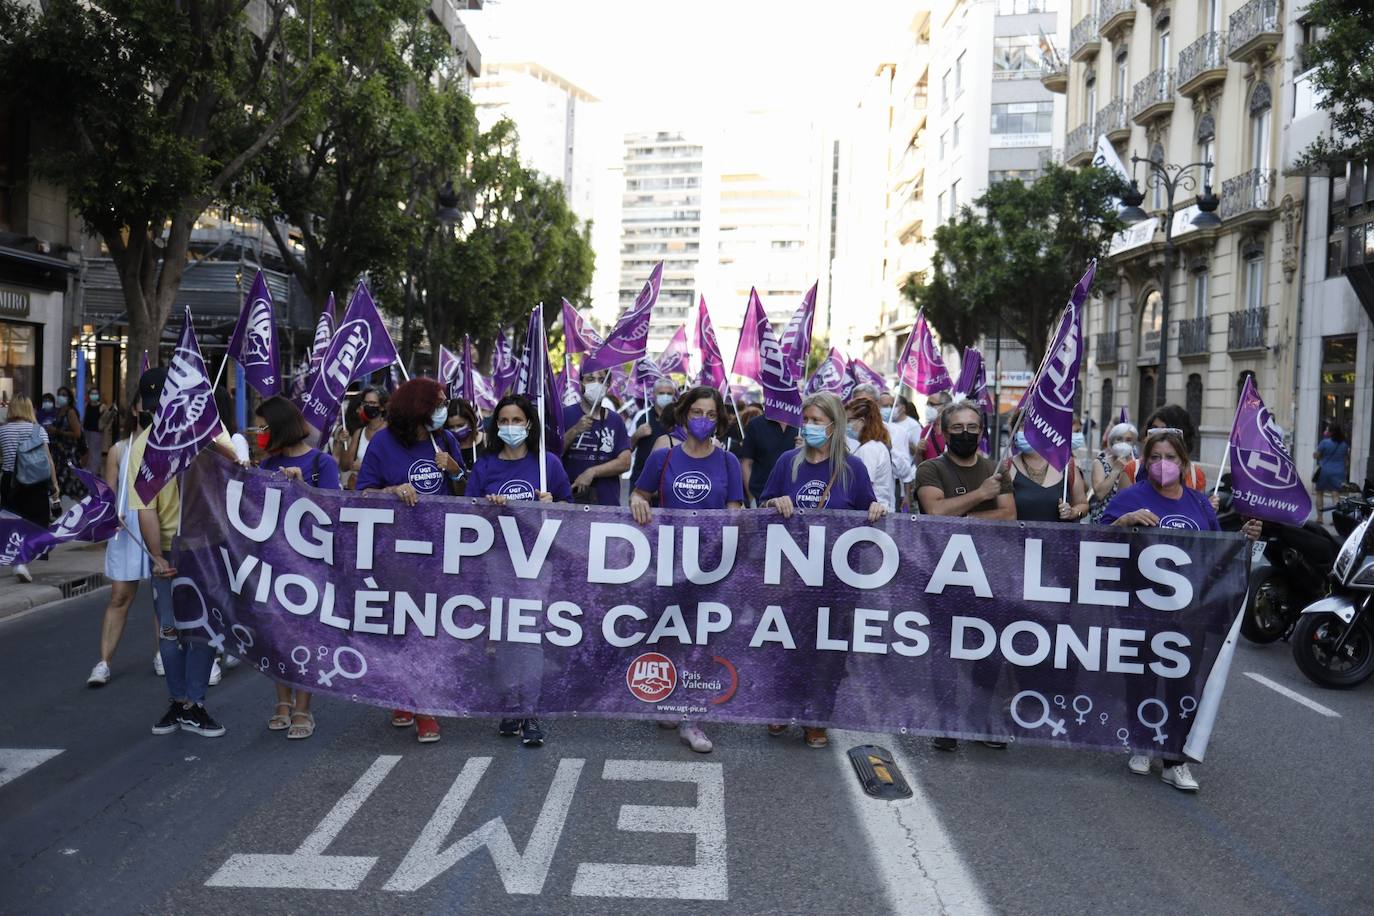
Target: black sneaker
(170, 720)
(944, 744)
(996, 745)
(531, 735)
(508, 728)
(199, 721)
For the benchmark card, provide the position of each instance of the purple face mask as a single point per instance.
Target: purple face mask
(701, 428)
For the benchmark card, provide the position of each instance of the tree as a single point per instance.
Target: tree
(152, 110)
(1342, 77)
(358, 172)
(1007, 264)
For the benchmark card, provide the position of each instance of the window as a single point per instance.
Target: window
(1022, 7)
(1108, 409)
(1162, 43)
(1240, 383)
(1158, 199)
(1089, 97)
(940, 208)
(1261, 106)
(944, 90)
(1021, 175)
(1199, 293)
(1206, 139)
(959, 73)
(1193, 399)
(1022, 117)
(1123, 75)
(1212, 15)
(954, 198)
(957, 121)
(1015, 55)
(1252, 256)
(944, 144)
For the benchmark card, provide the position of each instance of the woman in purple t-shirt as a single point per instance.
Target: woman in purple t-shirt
(822, 474)
(508, 470)
(281, 435)
(1162, 501)
(698, 474)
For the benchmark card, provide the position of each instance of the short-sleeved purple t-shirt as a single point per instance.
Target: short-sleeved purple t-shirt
(388, 463)
(606, 439)
(518, 480)
(684, 482)
(853, 490)
(1190, 512)
(317, 468)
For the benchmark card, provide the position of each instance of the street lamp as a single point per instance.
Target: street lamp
(1170, 178)
(446, 213)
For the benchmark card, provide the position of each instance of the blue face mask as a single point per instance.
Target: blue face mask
(815, 435)
(1079, 441)
(1022, 443)
(887, 414)
(514, 436)
(438, 418)
(61, 400)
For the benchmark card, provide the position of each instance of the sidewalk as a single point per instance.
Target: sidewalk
(70, 570)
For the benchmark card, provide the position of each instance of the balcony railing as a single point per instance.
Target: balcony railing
(1113, 16)
(1153, 96)
(1083, 38)
(1111, 119)
(1248, 192)
(1079, 143)
(1255, 26)
(1247, 329)
(1193, 336)
(1108, 347)
(1054, 73)
(1202, 63)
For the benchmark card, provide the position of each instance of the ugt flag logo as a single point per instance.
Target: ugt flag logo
(652, 677)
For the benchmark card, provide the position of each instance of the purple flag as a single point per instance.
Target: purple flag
(451, 375)
(759, 357)
(1264, 481)
(469, 384)
(830, 374)
(712, 363)
(93, 519)
(862, 374)
(1047, 418)
(796, 337)
(647, 374)
(360, 347)
(674, 357)
(324, 333)
(1123, 417)
(535, 365)
(186, 419)
(620, 383)
(505, 368)
(143, 364)
(973, 381)
(629, 339)
(253, 344)
(578, 335)
(921, 369)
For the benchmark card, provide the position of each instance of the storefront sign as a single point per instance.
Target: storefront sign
(14, 303)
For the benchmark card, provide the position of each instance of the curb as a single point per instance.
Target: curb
(20, 598)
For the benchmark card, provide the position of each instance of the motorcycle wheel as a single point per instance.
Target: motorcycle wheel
(1313, 641)
(1270, 609)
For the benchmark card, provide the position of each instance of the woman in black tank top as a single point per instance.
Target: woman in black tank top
(1039, 489)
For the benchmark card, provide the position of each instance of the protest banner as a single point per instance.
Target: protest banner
(1264, 480)
(1106, 638)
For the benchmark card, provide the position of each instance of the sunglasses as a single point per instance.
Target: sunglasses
(1164, 431)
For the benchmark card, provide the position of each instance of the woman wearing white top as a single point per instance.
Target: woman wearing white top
(372, 412)
(874, 447)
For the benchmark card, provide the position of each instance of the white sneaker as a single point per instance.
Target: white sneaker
(157, 665)
(1180, 778)
(100, 675)
(215, 674)
(21, 572)
(1139, 764)
(692, 736)
(231, 662)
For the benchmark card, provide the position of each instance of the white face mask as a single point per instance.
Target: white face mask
(1123, 449)
(932, 414)
(663, 400)
(593, 392)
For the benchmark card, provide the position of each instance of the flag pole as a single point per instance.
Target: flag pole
(543, 445)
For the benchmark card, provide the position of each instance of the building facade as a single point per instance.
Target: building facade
(1188, 313)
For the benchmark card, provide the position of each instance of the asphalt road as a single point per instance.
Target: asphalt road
(610, 817)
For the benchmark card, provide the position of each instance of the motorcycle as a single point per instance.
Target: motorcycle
(1288, 571)
(1333, 641)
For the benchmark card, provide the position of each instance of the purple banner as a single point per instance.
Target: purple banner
(674, 358)
(1047, 419)
(505, 368)
(920, 367)
(708, 348)
(760, 357)
(449, 372)
(830, 375)
(860, 373)
(361, 346)
(324, 333)
(578, 335)
(537, 381)
(186, 418)
(92, 519)
(1057, 634)
(629, 339)
(1264, 481)
(796, 337)
(253, 344)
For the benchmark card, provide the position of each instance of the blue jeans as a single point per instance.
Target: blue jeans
(187, 663)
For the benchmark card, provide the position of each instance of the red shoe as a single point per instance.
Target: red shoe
(426, 729)
(402, 719)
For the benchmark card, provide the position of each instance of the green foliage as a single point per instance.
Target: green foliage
(1015, 255)
(1344, 78)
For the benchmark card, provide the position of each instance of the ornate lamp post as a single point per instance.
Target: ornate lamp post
(1170, 178)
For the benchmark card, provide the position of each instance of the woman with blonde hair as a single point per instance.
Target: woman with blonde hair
(822, 474)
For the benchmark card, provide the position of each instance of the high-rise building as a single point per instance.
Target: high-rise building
(1196, 83)
(669, 213)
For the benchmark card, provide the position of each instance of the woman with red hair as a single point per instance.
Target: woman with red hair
(413, 456)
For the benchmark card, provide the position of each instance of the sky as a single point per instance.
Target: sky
(656, 61)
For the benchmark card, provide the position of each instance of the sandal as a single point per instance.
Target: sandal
(816, 737)
(280, 722)
(302, 729)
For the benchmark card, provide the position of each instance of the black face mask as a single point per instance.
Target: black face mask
(372, 411)
(964, 445)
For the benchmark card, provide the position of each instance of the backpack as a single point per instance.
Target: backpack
(31, 461)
